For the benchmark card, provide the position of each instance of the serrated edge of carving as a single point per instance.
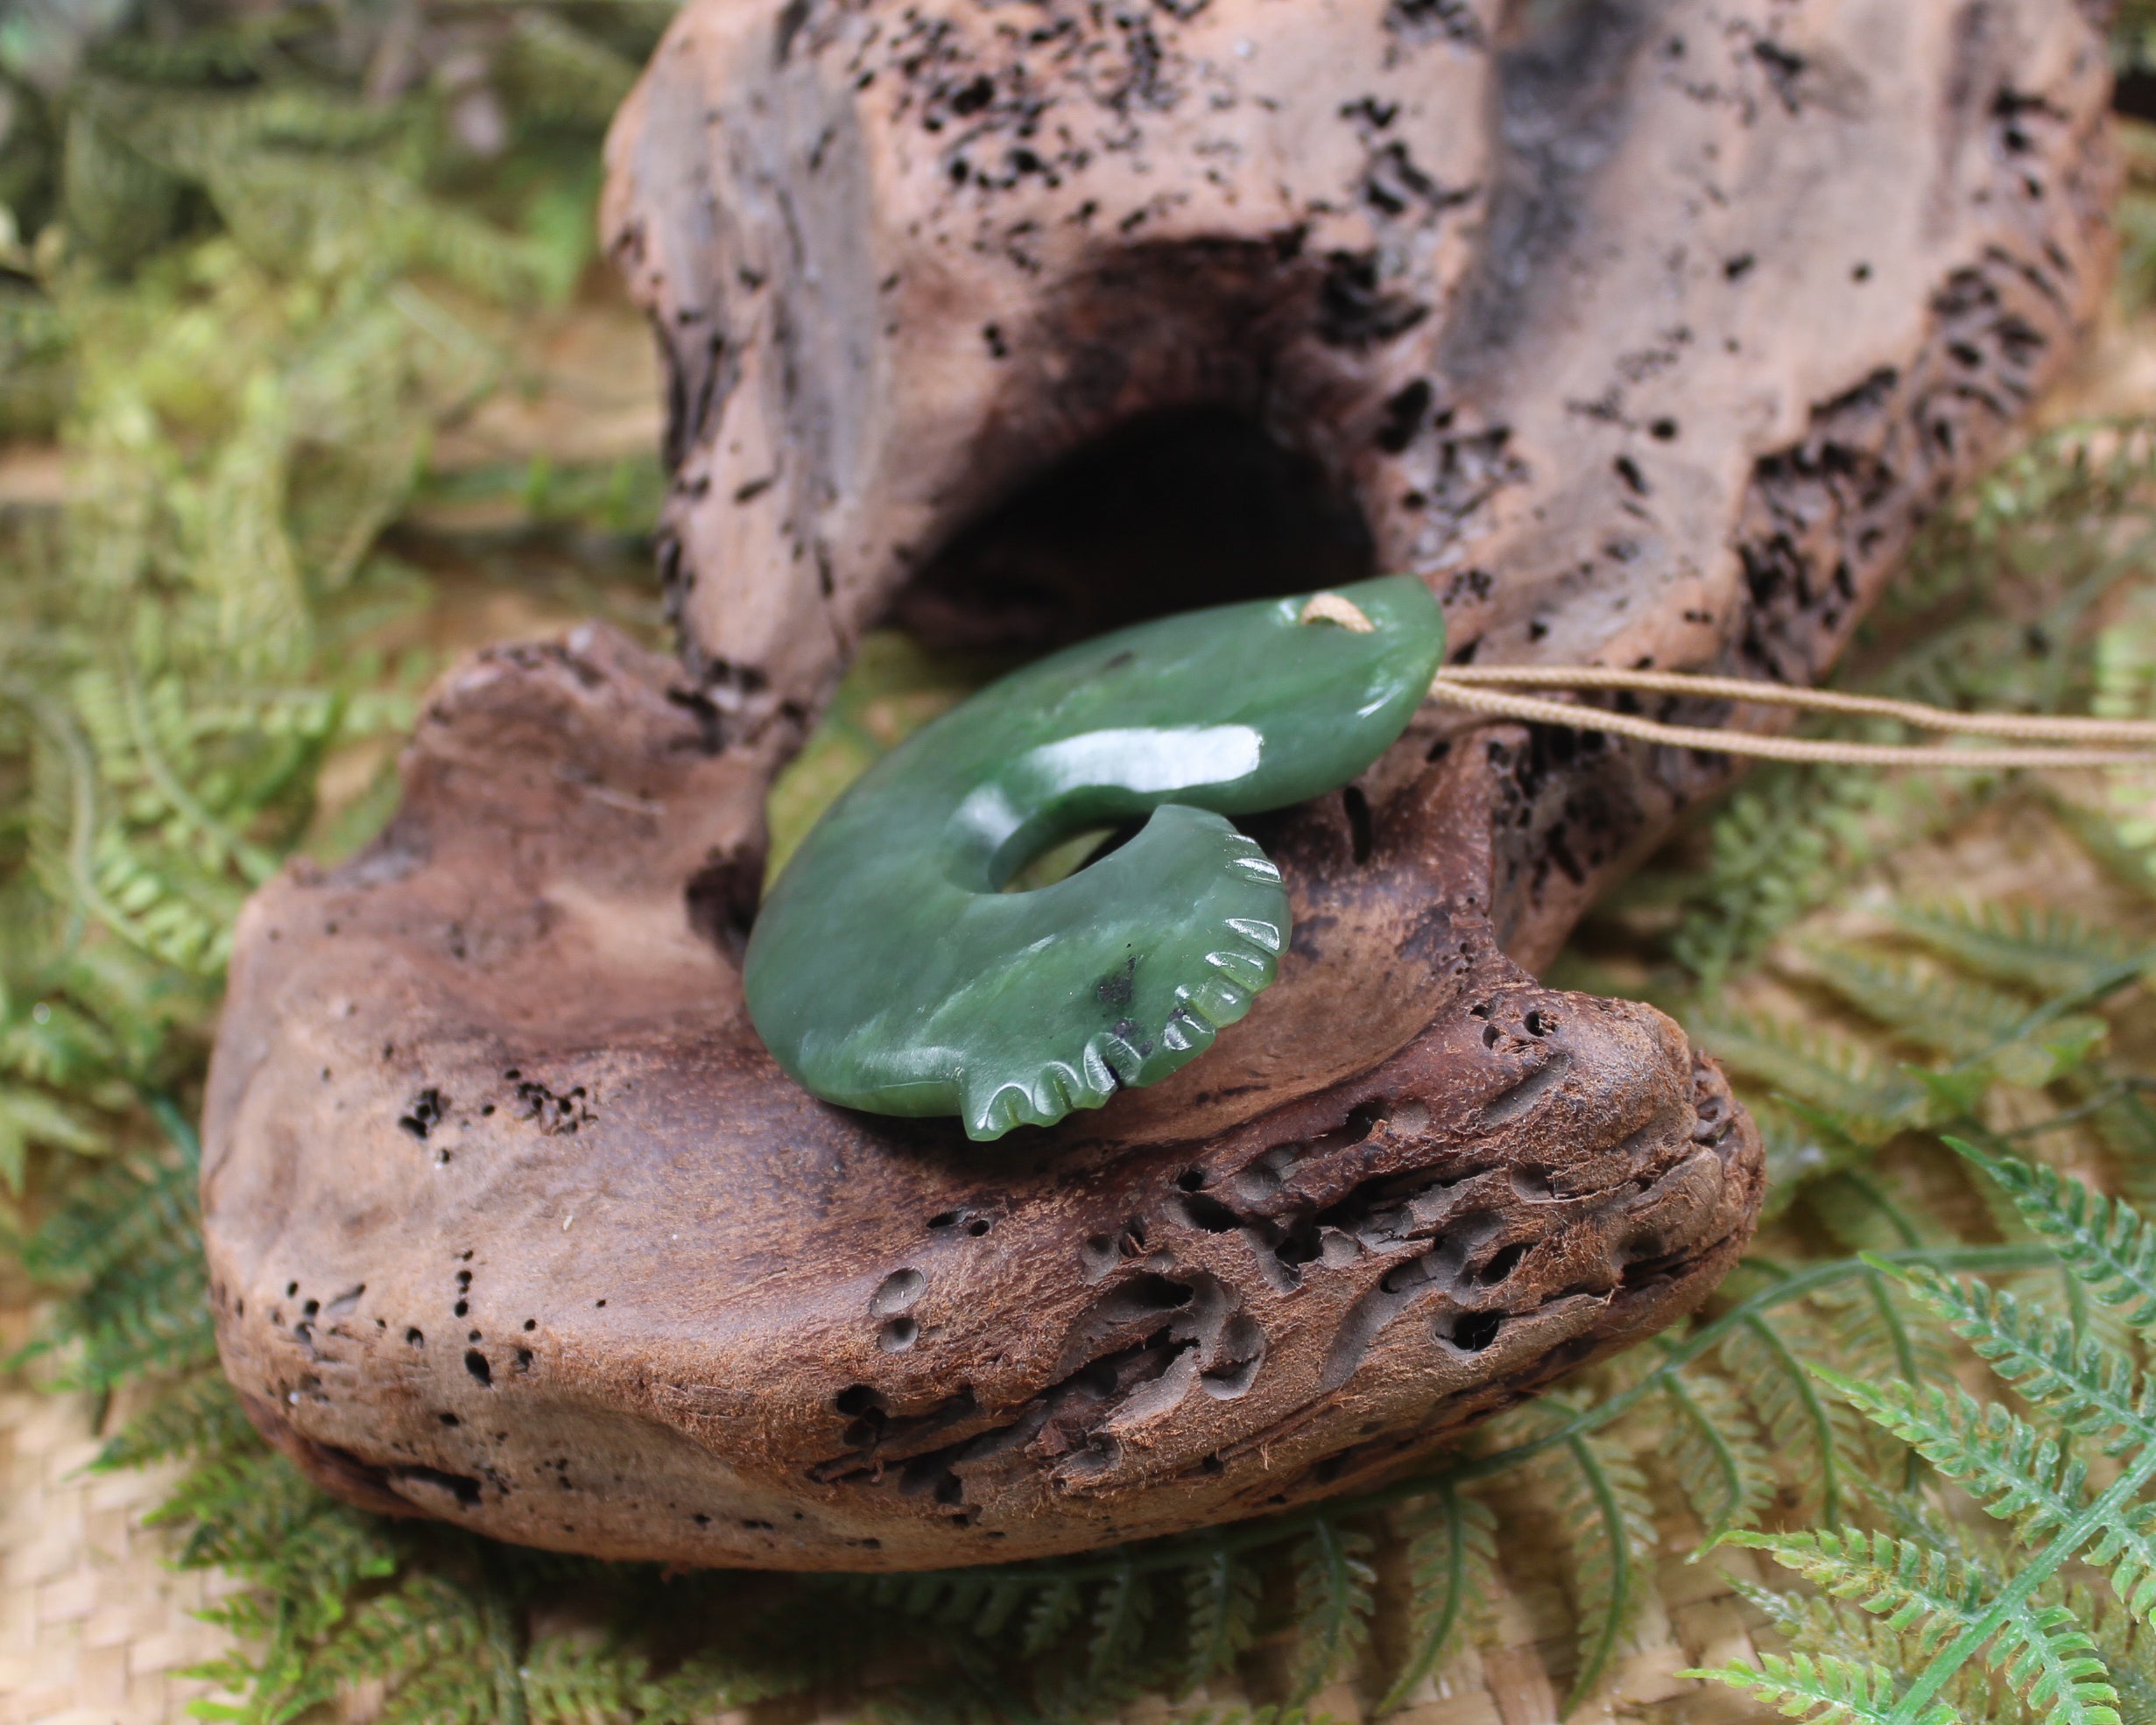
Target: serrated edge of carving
(1203, 1008)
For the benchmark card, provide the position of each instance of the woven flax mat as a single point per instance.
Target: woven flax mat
(95, 1624)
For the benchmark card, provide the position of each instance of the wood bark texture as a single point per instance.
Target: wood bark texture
(1644, 331)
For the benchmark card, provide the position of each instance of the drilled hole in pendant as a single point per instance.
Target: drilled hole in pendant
(1066, 856)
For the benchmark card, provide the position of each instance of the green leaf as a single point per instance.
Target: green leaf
(2103, 1242)
(1120, 1610)
(29, 1116)
(1335, 1597)
(1451, 1567)
(1053, 1610)
(1868, 1102)
(2043, 949)
(1724, 1472)
(1604, 1517)
(1803, 1425)
(1825, 1688)
(1220, 1609)
(2088, 1388)
(1950, 1015)
(1922, 1591)
(2013, 1469)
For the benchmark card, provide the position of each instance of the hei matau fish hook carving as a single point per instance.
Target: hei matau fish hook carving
(890, 970)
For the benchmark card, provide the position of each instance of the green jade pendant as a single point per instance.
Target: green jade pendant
(890, 971)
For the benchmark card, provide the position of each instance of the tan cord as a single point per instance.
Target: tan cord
(2032, 727)
(1449, 689)
(1468, 686)
(1336, 608)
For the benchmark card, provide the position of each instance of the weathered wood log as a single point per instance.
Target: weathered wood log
(1644, 331)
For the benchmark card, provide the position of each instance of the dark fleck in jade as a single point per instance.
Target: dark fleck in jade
(890, 971)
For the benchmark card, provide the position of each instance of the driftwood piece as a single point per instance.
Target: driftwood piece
(1644, 331)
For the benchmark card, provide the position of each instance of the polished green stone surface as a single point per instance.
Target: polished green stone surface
(890, 970)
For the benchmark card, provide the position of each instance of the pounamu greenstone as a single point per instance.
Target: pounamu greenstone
(890, 970)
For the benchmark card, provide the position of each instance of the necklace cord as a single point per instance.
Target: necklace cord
(2132, 742)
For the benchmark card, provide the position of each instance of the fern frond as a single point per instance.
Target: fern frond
(1869, 1101)
(1451, 1566)
(2051, 1661)
(2024, 946)
(424, 1623)
(2090, 1389)
(706, 1686)
(1121, 1608)
(1779, 847)
(1599, 1501)
(46, 1037)
(162, 903)
(1919, 1590)
(2104, 1244)
(1821, 1625)
(1221, 1595)
(2099, 837)
(31, 1116)
(112, 1217)
(998, 1603)
(255, 1514)
(1719, 1465)
(1879, 1330)
(2020, 1475)
(1864, 1213)
(2127, 1128)
(119, 204)
(1335, 1597)
(953, 1596)
(562, 73)
(1271, 1714)
(1798, 1155)
(153, 1320)
(564, 1684)
(1950, 1015)
(1054, 1609)
(2125, 1644)
(2015, 1472)
(1806, 1430)
(1914, 1588)
(1823, 1687)
(146, 750)
(447, 1691)
(200, 1417)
